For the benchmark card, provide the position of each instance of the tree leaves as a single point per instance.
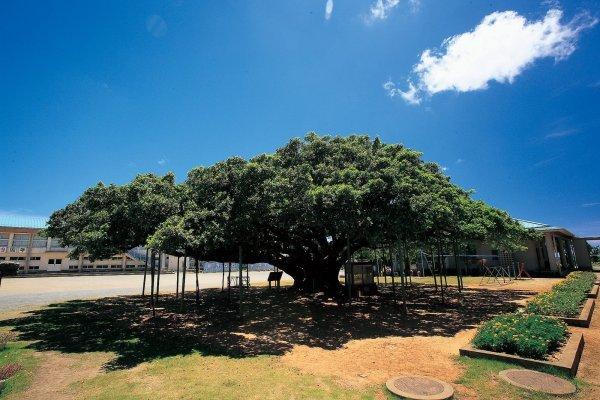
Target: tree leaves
(298, 208)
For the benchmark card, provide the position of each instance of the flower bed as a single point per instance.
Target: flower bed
(526, 335)
(566, 298)
(8, 370)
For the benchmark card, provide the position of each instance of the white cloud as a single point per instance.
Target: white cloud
(156, 26)
(161, 162)
(545, 161)
(328, 9)
(380, 9)
(591, 204)
(562, 133)
(498, 49)
(460, 160)
(411, 96)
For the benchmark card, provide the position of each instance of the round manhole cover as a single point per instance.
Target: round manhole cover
(537, 381)
(419, 388)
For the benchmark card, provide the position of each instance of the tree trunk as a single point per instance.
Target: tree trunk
(183, 278)
(323, 278)
(197, 286)
(177, 282)
(145, 273)
(158, 276)
(222, 277)
(241, 286)
(229, 283)
(152, 270)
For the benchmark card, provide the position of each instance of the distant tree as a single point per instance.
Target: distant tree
(594, 253)
(107, 220)
(8, 269)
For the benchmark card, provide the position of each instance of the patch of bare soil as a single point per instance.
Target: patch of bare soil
(535, 284)
(589, 369)
(57, 371)
(373, 361)
(366, 362)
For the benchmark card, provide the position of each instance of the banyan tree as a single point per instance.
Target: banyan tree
(304, 208)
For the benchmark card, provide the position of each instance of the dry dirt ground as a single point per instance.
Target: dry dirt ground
(369, 361)
(357, 363)
(57, 371)
(589, 369)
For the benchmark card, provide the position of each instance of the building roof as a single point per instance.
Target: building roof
(22, 221)
(538, 226)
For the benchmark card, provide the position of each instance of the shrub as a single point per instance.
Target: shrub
(566, 298)
(8, 370)
(526, 335)
(5, 337)
(8, 268)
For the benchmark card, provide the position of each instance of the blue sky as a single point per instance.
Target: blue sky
(101, 91)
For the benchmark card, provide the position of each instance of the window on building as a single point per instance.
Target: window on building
(115, 266)
(20, 241)
(87, 267)
(2, 258)
(34, 258)
(39, 242)
(17, 259)
(102, 266)
(55, 244)
(4, 240)
(73, 267)
(129, 266)
(58, 261)
(34, 267)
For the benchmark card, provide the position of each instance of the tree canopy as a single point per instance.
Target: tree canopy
(305, 208)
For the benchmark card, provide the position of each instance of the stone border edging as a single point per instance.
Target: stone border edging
(568, 358)
(585, 317)
(593, 292)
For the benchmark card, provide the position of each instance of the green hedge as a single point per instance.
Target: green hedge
(566, 298)
(526, 335)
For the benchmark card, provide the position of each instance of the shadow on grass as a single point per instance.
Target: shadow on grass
(273, 322)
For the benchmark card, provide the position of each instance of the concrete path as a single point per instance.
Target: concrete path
(23, 293)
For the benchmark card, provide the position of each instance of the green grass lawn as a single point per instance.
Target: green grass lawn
(482, 377)
(196, 376)
(208, 352)
(16, 352)
(206, 377)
